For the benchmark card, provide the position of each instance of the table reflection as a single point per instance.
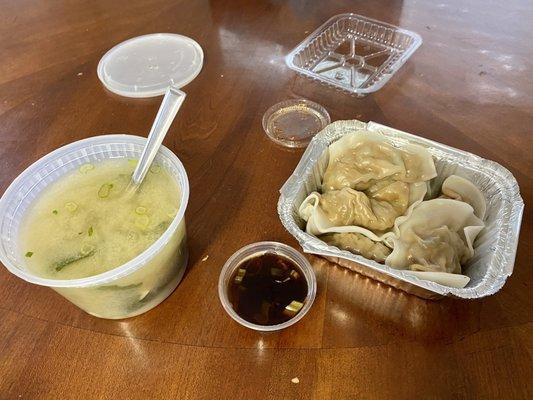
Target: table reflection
(135, 344)
(361, 311)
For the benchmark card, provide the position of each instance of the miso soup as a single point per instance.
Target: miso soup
(85, 224)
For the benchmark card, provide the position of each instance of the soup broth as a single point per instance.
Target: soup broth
(85, 224)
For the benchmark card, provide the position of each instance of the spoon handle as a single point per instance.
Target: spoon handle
(167, 111)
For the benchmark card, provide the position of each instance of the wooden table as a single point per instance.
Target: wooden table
(468, 86)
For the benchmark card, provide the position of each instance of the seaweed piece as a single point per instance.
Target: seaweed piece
(59, 265)
(118, 287)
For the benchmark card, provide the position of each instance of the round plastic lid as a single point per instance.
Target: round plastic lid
(293, 123)
(146, 66)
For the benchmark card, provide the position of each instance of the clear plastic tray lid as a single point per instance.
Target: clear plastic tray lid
(146, 66)
(353, 53)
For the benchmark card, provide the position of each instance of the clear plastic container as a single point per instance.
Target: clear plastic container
(293, 123)
(131, 289)
(257, 249)
(353, 53)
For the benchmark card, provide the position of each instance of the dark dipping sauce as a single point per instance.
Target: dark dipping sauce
(267, 290)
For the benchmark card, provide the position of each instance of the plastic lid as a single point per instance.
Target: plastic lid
(146, 66)
(293, 123)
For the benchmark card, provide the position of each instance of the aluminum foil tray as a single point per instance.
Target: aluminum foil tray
(355, 54)
(495, 247)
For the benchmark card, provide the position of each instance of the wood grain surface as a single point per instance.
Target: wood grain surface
(470, 86)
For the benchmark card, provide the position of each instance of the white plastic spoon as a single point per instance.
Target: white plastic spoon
(167, 111)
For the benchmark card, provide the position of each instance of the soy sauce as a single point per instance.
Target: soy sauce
(267, 290)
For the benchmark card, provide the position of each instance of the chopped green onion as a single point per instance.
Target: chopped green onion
(155, 169)
(54, 212)
(292, 309)
(86, 168)
(71, 206)
(87, 248)
(142, 221)
(276, 272)
(29, 254)
(240, 275)
(132, 235)
(90, 231)
(104, 190)
(141, 210)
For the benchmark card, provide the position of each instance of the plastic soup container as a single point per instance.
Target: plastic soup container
(125, 291)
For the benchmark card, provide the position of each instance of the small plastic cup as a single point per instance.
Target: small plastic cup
(257, 249)
(128, 290)
(293, 123)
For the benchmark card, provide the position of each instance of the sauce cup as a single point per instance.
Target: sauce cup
(254, 250)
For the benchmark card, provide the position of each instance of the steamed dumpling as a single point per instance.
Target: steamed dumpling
(371, 204)
(357, 244)
(438, 236)
(458, 188)
(376, 210)
(370, 213)
(437, 250)
(358, 159)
